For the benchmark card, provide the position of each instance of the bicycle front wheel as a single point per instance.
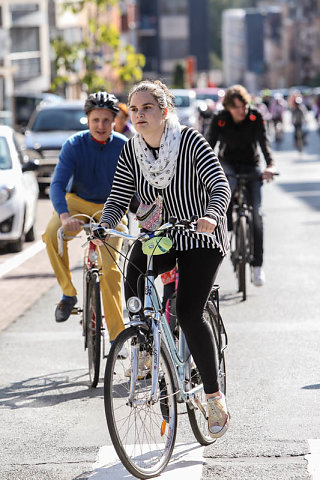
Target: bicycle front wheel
(197, 412)
(92, 325)
(242, 256)
(143, 432)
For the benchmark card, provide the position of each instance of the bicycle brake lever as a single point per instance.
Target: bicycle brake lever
(98, 233)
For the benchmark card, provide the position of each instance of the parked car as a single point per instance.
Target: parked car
(210, 93)
(24, 105)
(18, 192)
(186, 107)
(49, 127)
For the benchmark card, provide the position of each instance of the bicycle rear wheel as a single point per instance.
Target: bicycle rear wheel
(299, 142)
(242, 256)
(197, 418)
(92, 326)
(143, 432)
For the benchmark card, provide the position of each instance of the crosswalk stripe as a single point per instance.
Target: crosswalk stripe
(187, 459)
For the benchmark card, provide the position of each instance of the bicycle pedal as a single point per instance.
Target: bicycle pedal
(76, 311)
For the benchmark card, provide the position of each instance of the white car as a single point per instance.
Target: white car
(186, 106)
(19, 193)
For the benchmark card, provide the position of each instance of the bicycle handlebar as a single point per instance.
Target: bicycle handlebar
(100, 232)
(248, 176)
(96, 231)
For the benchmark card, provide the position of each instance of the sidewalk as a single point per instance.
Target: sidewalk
(24, 285)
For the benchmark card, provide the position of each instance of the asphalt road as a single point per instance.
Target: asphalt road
(53, 425)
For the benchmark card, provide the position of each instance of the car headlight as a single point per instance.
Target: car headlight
(6, 192)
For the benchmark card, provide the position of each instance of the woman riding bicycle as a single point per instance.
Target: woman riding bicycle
(240, 129)
(174, 170)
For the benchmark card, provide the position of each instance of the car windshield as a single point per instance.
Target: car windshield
(211, 96)
(60, 119)
(182, 101)
(5, 159)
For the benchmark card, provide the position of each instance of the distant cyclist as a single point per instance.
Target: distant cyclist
(277, 108)
(81, 183)
(240, 130)
(299, 118)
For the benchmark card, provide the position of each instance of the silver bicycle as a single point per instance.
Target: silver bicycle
(141, 391)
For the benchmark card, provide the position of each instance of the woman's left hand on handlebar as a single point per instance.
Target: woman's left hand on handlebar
(98, 242)
(206, 225)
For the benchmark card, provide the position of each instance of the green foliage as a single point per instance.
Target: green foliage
(83, 61)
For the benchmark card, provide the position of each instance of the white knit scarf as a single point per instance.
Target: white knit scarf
(159, 172)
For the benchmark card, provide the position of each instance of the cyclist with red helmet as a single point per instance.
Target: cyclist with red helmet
(81, 184)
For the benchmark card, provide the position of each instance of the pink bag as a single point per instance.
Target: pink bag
(150, 216)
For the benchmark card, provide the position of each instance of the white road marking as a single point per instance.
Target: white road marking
(186, 462)
(314, 459)
(21, 257)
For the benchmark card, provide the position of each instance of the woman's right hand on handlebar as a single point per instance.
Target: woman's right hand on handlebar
(98, 242)
(70, 224)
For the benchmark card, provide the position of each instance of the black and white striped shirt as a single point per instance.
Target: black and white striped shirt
(199, 187)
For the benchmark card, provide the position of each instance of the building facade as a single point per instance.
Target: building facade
(243, 48)
(171, 33)
(275, 45)
(24, 48)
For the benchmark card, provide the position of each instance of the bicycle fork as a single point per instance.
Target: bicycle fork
(136, 349)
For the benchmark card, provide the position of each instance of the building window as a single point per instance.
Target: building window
(27, 68)
(18, 11)
(174, 7)
(25, 39)
(171, 50)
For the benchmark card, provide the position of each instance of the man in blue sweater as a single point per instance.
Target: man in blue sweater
(81, 184)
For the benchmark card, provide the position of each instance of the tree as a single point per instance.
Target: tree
(178, 76)
(101, 54)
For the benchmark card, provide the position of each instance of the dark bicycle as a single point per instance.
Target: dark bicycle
(92, 318)
(299, 138)
(242, 231)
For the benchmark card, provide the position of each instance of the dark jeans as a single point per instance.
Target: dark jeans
(197, 272)
(254, 199)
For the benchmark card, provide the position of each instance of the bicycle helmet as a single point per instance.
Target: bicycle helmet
(101, 100)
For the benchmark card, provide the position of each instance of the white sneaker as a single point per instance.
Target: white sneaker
(258, 276)
(218, 416)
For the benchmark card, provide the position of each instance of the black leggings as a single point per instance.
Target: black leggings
(197, 272)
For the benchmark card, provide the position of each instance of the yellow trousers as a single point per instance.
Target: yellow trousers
(110, 280)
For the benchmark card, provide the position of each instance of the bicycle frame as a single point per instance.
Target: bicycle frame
(92, 269)
(161, 329)
(244, 209)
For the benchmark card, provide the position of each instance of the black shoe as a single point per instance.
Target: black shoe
(64, 309)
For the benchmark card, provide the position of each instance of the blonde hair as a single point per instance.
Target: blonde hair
(158, 90)
(233, 92)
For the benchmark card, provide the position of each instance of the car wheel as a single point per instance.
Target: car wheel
(30, 236)
(43, 190)
(16, 246)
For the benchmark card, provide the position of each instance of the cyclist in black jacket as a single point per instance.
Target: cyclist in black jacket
(240, 130)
